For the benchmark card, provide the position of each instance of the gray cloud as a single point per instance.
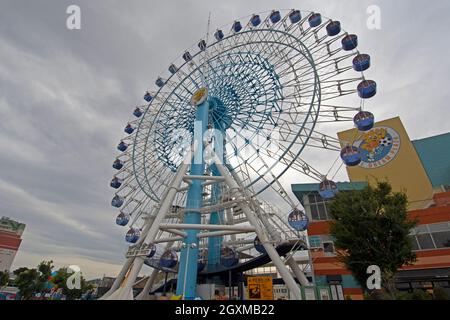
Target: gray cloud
(66, 95)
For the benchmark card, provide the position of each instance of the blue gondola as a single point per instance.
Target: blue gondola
(116, 183)
(202, 45)
(351, 156)
(295, 16)
(315, 20)
(152, 251)
(350, 42)
(361, 62)
(118, 164)
(333, 28)
(160, 82)
(117, 201)
(219, 35)
(137, 112)
(173, 69)
(122, 146)
(367, 89)
(129, 129)
(364, 120)
(275, 16)
(133, 235)
(298, 220)
(328, 189)
(258, 246)
(237, 26)
(228, 257)
(168, 260)
(148, 97)
(123, 219)
(255, 20)
(187, 56)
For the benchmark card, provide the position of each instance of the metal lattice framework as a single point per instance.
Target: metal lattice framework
(273, 86)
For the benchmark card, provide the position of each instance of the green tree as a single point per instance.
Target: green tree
(28, 282)
(4, 278)
(60, 280)
(371, 227)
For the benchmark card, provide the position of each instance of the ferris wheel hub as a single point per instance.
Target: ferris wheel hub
(199, 97)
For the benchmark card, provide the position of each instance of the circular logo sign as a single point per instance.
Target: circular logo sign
(199, 97)
(378, 147)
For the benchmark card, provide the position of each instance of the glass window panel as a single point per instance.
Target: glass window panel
(328, 247)
(314, 212)
(422, 229)
(312, 198)
(425, 241)
(442, 239)
(415, 246)
(439, 227)
(322, 212)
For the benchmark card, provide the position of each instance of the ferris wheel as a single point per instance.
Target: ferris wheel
(219, 129)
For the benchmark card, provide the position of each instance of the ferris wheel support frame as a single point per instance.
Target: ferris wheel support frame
(262, 235)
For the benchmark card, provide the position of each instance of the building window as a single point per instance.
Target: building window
(328, 247)
(316, 207)
(425, 241)
(442, 239)
(433, 236)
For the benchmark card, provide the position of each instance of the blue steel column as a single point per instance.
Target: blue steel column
(214, 243)
(187, 273)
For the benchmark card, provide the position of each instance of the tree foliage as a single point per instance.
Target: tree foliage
(4, 278)
(30, 281)
(371, 227)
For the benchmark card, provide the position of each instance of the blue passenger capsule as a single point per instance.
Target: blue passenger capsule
(219, 35)
(367, 89)
(122, 146)
(328, 189)
(255, 20)
(237, 26)
(148, 97)
(160, 82)
(118, 164)
(137, 112)
(202, 45)
(361, 62)
(275, 16)
(298, 220)
(228, 257)
(364, 120)
(116, 183)
(169, 259)
(129, 129)
(117, 201)
(133, 235)
(315, 20)
(187, 56)
(350, 42)
(333, 28)
(173, 69)
(122, 219)
(295, 16)
(351, 156)
(259, 246)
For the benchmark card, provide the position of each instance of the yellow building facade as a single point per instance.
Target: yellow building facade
(388, 154)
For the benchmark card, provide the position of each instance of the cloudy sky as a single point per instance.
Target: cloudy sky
(66, 95)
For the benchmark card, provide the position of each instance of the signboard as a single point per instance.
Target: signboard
(388, 155)
(260, 288)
